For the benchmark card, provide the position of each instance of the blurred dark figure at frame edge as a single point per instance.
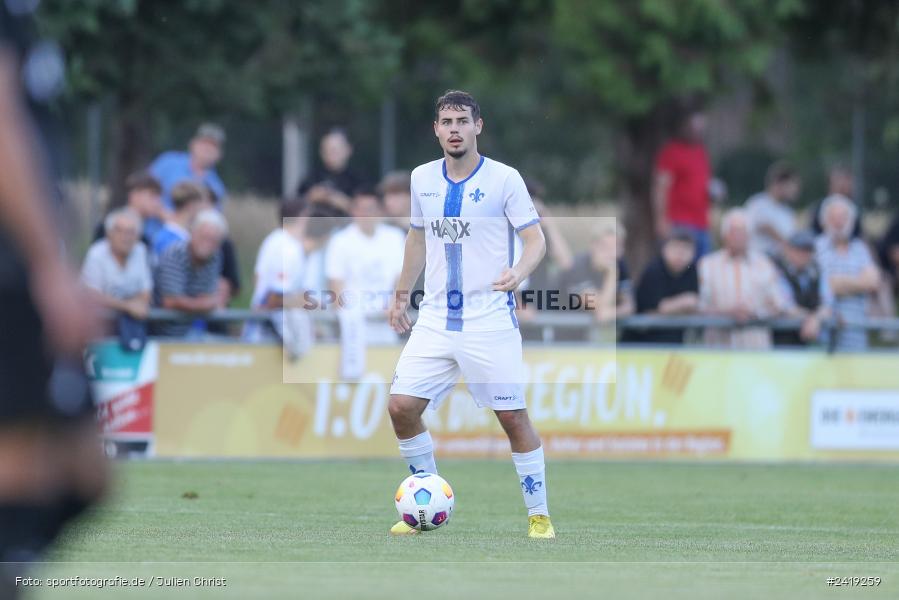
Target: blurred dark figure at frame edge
(51, 463)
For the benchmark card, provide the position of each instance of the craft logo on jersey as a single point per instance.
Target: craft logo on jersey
(476, 195)
(454, 229)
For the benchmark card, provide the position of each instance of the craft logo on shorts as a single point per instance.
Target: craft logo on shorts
(505, 398)
(454, 229)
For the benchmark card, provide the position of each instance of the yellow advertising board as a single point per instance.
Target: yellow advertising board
(229, 400)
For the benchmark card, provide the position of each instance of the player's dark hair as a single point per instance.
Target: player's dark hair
(457, 100)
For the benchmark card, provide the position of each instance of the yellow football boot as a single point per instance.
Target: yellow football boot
(403, 528)
(539, 526)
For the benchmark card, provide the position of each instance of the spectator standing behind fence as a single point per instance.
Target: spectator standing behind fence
(362, 263)
(197, 164)
(741, 284)
(850, 271)
(187, 276)
(395, 189)
(559, 258)
(281, 263)
(771, 217)
(334, 174)
(600, 277)
(668, 286)
(681, 183)
(117, 271)
(143, 196)
(805, 289)
(187, 200)
(888, 251)
(839, 183)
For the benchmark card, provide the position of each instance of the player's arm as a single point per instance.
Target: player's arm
(413, 263)
(533, 251)
(25, 217)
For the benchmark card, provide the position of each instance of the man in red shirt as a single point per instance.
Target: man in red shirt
(681, 183)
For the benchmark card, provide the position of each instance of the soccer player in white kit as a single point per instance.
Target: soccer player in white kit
(466, 209)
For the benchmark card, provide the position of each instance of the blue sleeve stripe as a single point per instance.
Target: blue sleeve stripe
(414, 226)
(528, 224)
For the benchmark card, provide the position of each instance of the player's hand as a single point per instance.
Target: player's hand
(69, 317)
(396, 314)
(508, 280)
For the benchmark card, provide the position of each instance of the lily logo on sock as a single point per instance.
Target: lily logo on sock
(530, 486)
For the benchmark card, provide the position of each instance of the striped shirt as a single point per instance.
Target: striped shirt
(851, 261)
(177, 275)
(727, 281)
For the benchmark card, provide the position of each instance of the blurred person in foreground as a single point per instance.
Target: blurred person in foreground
(739, 283)
(187, 276)
(465, 208)
(362, 264)
(52, 467)
(117, 270)
(681, 182)
(849, 268)
(205, 150)
(278, 276)
(334, 174)
(668, 286)
(143, 196)
(806, 290)
(601, 277)
(772, 219)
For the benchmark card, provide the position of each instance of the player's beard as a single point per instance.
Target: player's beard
(457, 154)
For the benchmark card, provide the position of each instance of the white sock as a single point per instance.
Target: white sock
(532, 473)
(419, 453)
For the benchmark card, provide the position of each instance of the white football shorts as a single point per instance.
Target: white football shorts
(491, 363)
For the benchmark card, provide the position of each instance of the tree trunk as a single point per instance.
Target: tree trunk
(638, 144)
(129, 150)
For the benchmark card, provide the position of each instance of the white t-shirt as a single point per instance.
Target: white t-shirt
(765, 210)
(102, 272)
(279, 267)
(367, 265)
(469, 231)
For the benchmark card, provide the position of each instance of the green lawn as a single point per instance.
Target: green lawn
(318, 529)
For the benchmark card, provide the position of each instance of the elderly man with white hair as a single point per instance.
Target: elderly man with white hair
(739, 283)
(848, 266)
(188, 272)
(116, 268)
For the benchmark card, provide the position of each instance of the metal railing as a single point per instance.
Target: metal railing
(548, 323)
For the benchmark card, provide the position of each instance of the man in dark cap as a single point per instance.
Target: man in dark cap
(807, 291)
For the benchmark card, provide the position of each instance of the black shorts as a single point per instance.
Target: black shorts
(34, 387)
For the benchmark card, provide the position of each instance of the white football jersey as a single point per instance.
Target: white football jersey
(469, 229)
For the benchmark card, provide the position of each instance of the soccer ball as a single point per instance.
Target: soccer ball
(425, 501)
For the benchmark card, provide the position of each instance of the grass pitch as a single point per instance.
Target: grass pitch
(319, 529)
